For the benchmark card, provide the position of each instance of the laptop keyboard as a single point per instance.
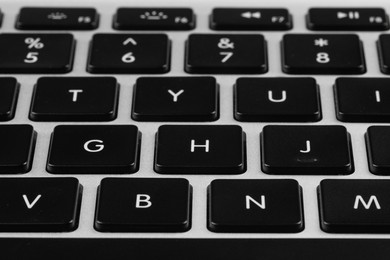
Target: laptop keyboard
(198, 123)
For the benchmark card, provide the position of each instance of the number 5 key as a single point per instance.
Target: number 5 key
(36, 53)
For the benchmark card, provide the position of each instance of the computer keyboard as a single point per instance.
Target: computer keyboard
(194, 130)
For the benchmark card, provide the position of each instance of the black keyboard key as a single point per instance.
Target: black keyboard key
(39, 204)
(363, 19)
(384, 53)
(36, 53)
(195, 249)
(154, 19)
(362, 99)
(143, 205)
(50, 18)
(322, 54)
(308, 150)
(129, 53)
(17, 148)
(75, 99)
(200, 149)
(378, 143)
(354, 206)
(94, 149)
(176, 99)
(277, 100)
(226, 54)
(255, 206)
(250, 19)
(9, 91)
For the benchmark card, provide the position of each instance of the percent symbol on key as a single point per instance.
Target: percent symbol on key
(34, 43)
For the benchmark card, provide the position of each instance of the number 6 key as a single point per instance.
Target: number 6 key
(36, 53)
(129, 53)
(322, 54)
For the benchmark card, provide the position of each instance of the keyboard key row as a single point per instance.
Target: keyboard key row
(196, 99)
(365, 19)
(165, 205)
(193, 149)
(205, 53)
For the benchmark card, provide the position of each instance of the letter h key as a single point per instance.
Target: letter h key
(211, 149)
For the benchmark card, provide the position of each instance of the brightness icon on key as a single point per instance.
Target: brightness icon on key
(321, 42)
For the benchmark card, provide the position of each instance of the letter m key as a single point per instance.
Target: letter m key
(367, 205)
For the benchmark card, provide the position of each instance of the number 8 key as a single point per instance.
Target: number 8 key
(322, 54)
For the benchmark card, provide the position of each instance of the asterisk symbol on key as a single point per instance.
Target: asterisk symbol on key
(321, 42)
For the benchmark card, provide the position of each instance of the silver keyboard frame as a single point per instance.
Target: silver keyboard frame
(202, 9)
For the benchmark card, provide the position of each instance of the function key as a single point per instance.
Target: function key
(75, 99)
(362, 19)
(42, 18)
(378, 143)
(129, 53)
(277, 100)
(354, 206)
(143, 205)
(200, 149)
(154, 19)
(176, 99)
(322, 54)
(306, 150)
(17, 148)
(226, 54)
(250, 19)
(39, 204)
(255, 206)
(94, 149)
(36, 53)
(384, 53)
(9, 90)
(362, 99)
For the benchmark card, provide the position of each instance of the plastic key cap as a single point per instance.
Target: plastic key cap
(277, 100)
(362, 99)
(50, 18)
(17, 148)
(154, 19)
(342, 19)
(306, 150)
(9, 91)
(226, 54)
(39, 204)
(255, 206)
(354, 206)
(200, 149)
(129, 53)
(75, 99)
(94, 149)
(322, 54)
(36, 53)
(176, 99)
(143, 205)
(250, 19)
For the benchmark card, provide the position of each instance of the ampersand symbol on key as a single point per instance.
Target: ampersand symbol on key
(225, 43)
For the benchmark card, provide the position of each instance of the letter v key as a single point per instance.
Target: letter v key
(31, 205)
